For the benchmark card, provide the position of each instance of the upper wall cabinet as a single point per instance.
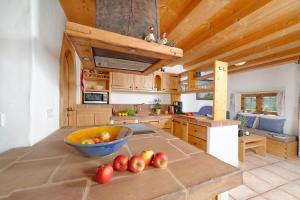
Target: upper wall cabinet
(122, 81)
(131, 82)
(170, 82)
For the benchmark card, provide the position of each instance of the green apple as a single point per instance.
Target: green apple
(87, 141)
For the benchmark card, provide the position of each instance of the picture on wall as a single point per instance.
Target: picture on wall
(204, 96)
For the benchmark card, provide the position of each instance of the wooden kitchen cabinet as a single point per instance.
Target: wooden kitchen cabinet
(91, 116)
(85, 118)
(197, 135)
(143, 82)
(170, 82)
(122, 81)
(200, 143)
(180, 129)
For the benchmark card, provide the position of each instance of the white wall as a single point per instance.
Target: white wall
(283, 77)
(30, 36)
(15, 72)
(48, 22)
(138, 98)
(190, 104)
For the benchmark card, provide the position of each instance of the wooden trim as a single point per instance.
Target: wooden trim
(259, 101)
(220, 90)
(80, 11)
(265, 65)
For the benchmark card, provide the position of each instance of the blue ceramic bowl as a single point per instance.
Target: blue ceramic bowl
(102, 149)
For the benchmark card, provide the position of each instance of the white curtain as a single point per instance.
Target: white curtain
(281, 103)
(235, 104)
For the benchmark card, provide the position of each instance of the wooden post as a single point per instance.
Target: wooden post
(220, 90)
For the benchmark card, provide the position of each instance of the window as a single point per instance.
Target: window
(262, 103)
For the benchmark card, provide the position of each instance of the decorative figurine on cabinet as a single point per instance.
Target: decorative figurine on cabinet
(150, 36)
(163, 40)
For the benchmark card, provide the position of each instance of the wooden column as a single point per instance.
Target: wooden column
(220, 90)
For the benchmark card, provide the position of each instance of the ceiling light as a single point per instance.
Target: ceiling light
(240, 63)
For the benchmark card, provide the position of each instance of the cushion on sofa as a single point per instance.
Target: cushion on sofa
(250, 119)
(275, 136)
(272, 125)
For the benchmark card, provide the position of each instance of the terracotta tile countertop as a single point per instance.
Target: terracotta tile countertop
(53, 170)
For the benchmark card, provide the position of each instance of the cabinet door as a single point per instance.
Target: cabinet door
(148, 82)
(138, 82)
(103, 117)
(170, 82)
(143, 82)
(85, 118)
(122, 81)
(176, 129)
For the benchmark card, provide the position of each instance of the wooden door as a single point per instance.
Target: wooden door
(148, 83)
(67, 85)
(173, 82)
(138, 82)
(165, 82)
(122, 81)
(85, 118)
(170, 82)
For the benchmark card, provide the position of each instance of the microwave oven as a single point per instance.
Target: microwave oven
(95, 97)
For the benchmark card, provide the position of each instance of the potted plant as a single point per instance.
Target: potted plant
(242, 125)
(157, 106)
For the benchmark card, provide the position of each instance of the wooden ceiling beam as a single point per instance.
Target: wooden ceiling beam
(225, 17)
(250, 29)
(266, 65)
(80, 11)
(270, 57)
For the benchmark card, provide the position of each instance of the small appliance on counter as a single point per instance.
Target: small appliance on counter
(95, 97)
(178, 107)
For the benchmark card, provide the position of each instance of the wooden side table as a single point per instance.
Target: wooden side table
(255, 142)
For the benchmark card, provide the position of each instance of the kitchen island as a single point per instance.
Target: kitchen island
(54, 170)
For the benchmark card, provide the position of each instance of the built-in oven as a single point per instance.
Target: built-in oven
(95, 97)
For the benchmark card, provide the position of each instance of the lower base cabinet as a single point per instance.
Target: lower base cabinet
(197, 142)
(180, 129)
(93, 116)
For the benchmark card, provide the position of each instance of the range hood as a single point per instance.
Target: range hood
(110, 51)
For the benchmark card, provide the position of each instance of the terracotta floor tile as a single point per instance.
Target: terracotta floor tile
(4, 162)
(66, 191)
(184, 146)
(255, 183)
(278, 194)
(242, 193)
(247, 165)
(257, 160)
(49, 149)
(26, 174)
(141, 136)
(15, 152)
(292, 188)
(184, 170)
(268, 176)
(146, 185)
(157, 145)
(77, 166)
(268, 158)
(292, 167)
(258, 198)
(289, 175)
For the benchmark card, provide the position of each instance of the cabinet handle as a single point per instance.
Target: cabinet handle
(136, 86)
(195, 131)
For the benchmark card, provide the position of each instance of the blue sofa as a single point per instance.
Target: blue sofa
(207, 111)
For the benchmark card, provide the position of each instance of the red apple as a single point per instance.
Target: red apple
(136, 164)
(147, 155)
(104, 173)
(97, 140)
(120, 163)
(160, 160)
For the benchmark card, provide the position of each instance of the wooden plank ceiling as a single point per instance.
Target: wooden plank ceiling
(263, 33)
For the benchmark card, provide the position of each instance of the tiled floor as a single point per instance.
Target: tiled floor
(268, 178)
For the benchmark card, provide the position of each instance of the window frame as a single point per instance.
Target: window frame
(259, 102)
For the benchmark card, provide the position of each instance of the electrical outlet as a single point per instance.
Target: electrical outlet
(49, 113)
(2, 120)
